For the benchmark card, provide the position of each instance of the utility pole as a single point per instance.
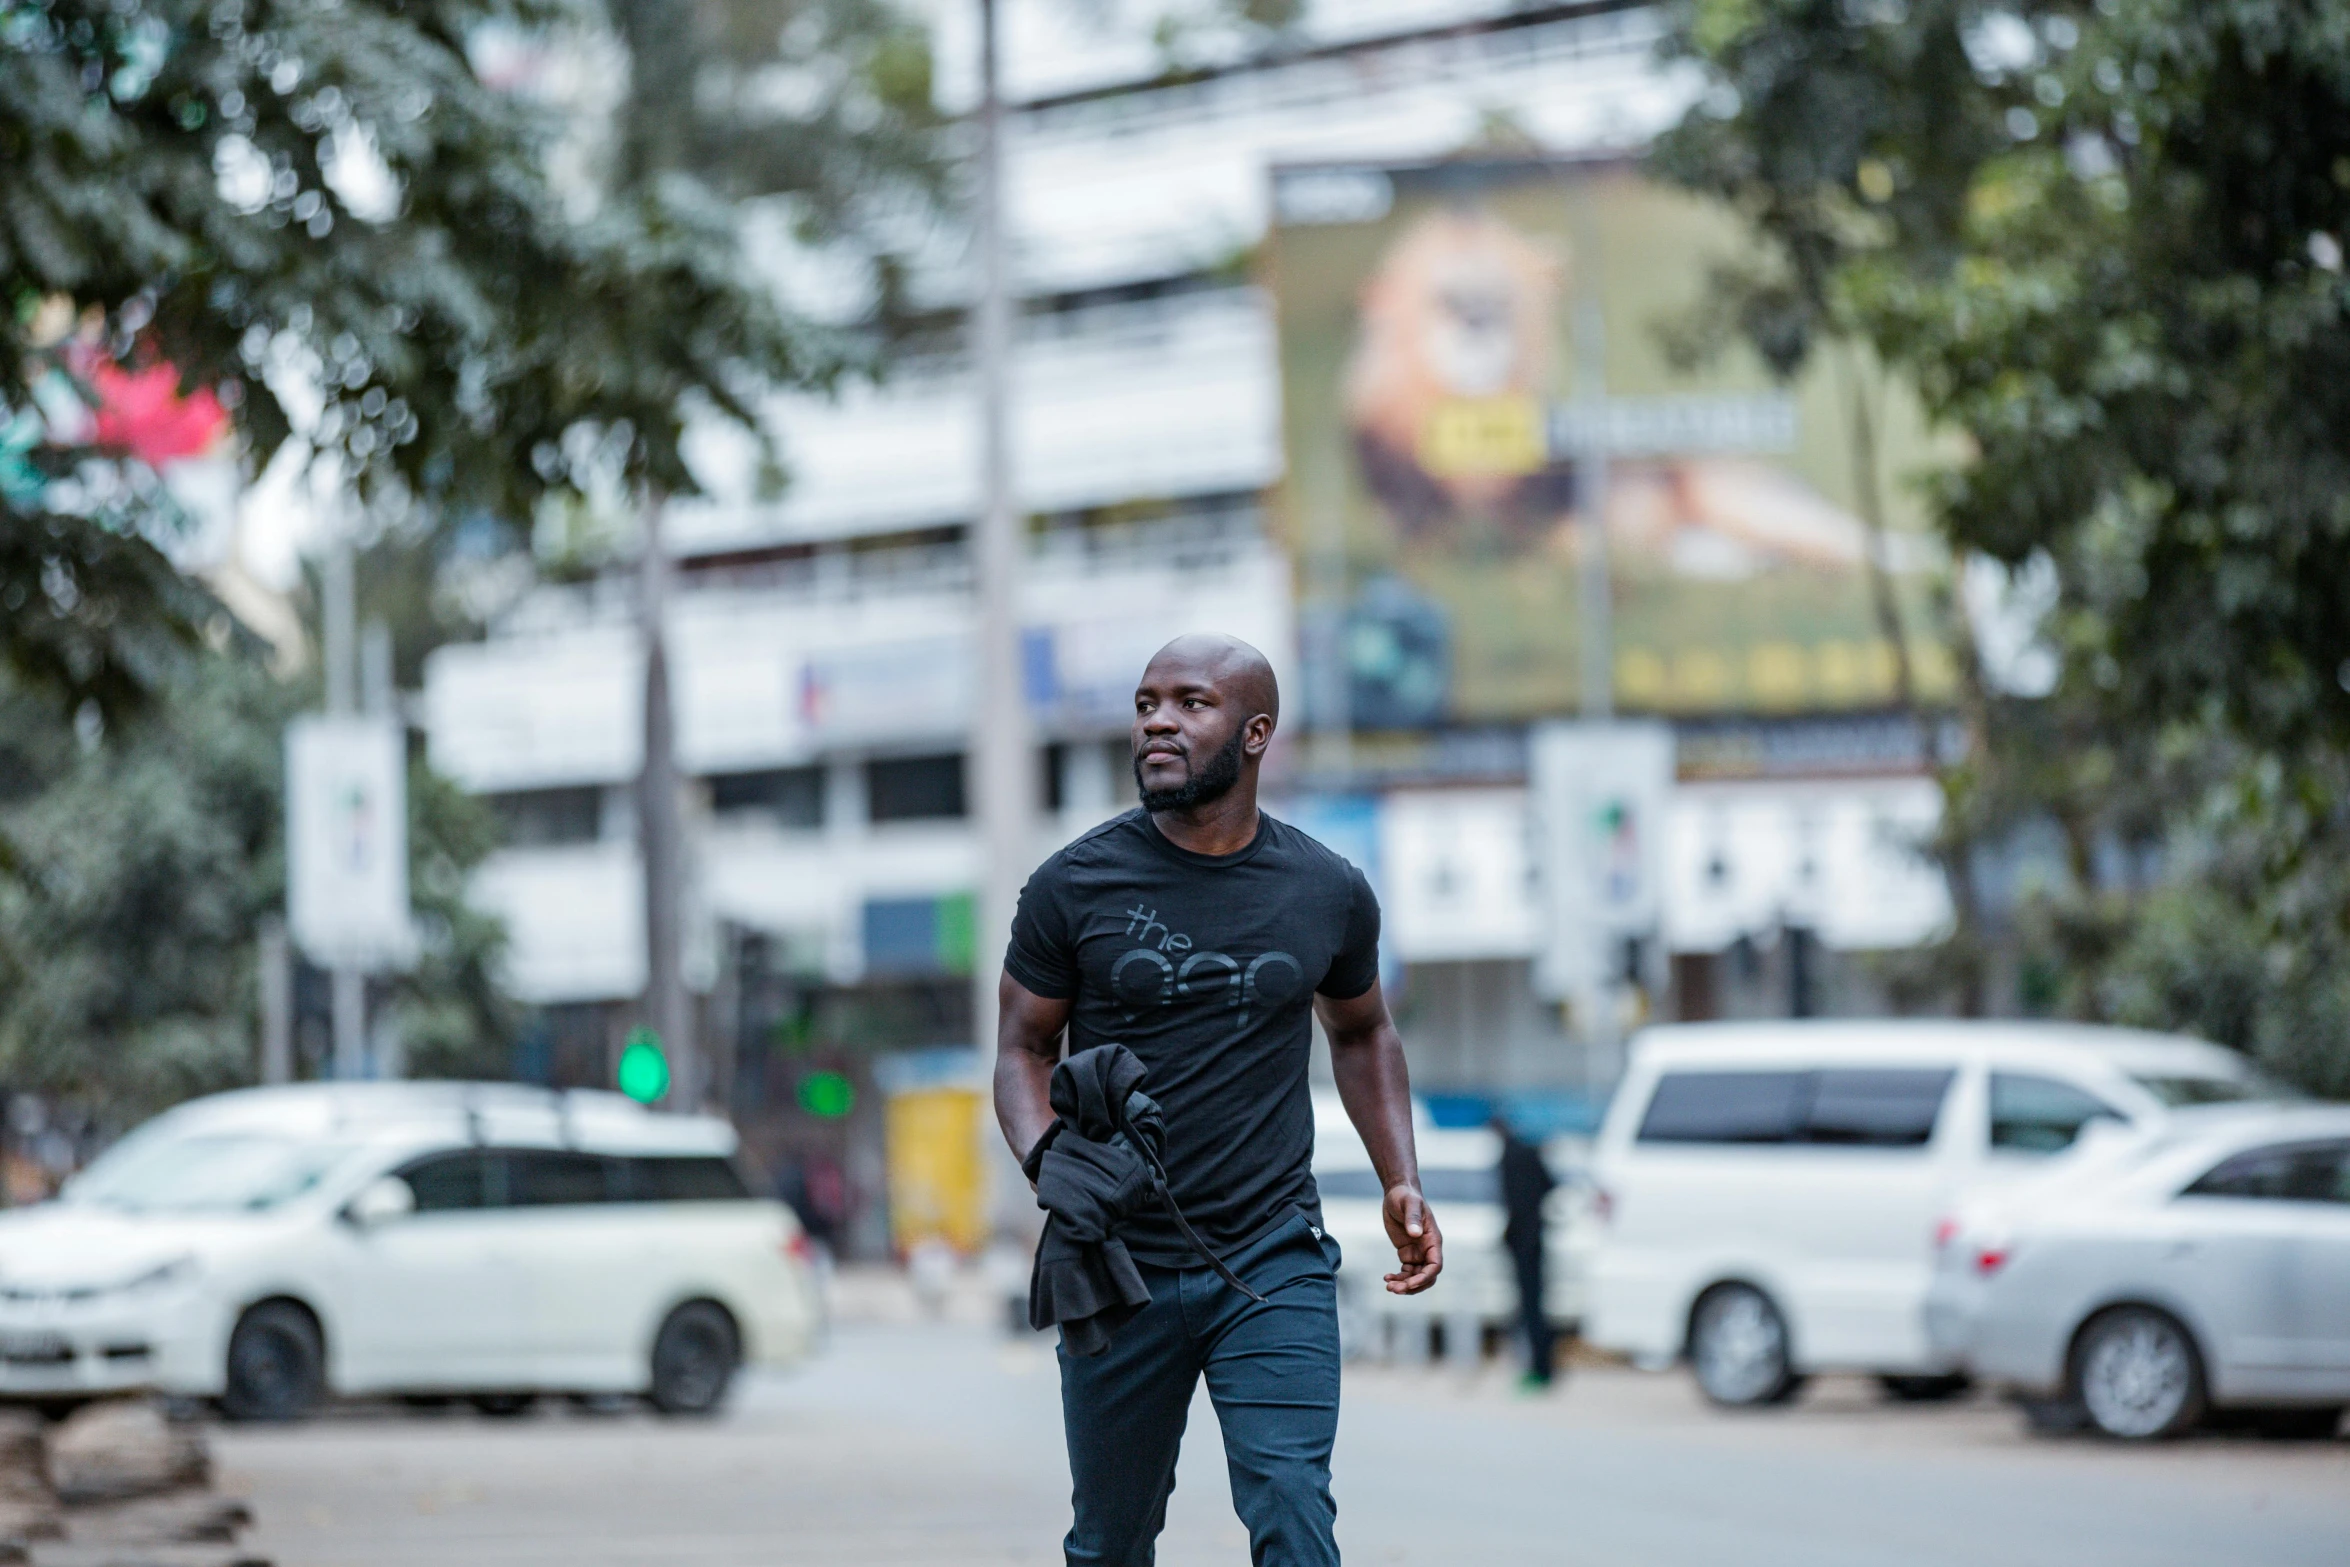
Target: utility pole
(661, 830)
(1002, 768)
(347, 982)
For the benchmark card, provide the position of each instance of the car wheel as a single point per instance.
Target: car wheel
(1926, 1390)
(694, 1359)
(2138, 1375)
(503, 1406)
(1738, 1348)
(276, 1364)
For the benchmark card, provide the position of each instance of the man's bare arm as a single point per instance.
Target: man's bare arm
(1027, 1048)
(1366, 1055)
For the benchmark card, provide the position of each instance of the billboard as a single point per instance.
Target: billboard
(1464, 345)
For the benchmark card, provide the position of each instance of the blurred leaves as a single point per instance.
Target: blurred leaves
(142, 862)
(323, 209)
(2105, 241)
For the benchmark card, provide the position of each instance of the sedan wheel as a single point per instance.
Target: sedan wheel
(694, 1360)
(276, 1364)
(1738, 1348)
(2138, 1374)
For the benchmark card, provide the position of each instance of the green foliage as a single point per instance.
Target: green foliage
(2106, 242)
(143, 861)
(287, 198)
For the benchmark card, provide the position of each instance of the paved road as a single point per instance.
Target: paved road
(915, 1444)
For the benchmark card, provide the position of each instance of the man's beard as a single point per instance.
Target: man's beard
(1212, 782)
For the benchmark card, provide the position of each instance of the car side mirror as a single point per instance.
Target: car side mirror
(381, 1201)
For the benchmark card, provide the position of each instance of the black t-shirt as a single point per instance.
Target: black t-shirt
(1206, 967)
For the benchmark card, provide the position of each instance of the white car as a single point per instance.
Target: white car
(272, 1247)
(2152, 1280)
(1768, 1192)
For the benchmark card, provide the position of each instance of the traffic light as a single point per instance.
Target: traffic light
(827, 1095)
(644, 1068)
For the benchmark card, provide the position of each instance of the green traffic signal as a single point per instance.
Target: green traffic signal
(828, 1095)
(644, 1071)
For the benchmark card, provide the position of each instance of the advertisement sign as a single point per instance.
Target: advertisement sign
(1462, 343)
(1598, 794)
(347, 842)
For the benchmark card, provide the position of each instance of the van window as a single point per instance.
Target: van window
(554, 1177)
(1725, 1107)
(2033, 1114)
(446, 1182)
(1876, 1107)
(688, 1178)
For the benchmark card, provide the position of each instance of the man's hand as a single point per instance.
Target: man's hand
(1419, 1244)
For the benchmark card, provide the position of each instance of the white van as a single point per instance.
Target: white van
(1768, 1192)
(272, 1247)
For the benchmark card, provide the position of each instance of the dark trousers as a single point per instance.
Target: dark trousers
(1533, 1321)
(1272, 1370)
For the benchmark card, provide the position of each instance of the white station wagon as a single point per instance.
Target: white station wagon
(272, 1247)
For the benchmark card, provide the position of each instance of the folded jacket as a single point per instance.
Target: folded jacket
(1100, 1162)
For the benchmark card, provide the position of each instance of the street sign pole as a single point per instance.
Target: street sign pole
(347, 985)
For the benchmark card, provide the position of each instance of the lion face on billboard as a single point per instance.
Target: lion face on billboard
(1461, 311)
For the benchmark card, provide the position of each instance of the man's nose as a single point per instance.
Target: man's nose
(1160, 721)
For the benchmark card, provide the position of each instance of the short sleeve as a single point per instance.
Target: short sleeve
(1355, 967)
(1040, 955)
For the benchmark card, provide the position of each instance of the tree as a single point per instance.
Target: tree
(320, 213)
(144, 859)
(2106, 243)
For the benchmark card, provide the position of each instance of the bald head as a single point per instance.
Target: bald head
(1242, 674)
(1204, 712)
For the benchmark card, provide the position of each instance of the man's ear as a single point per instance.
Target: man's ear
(1257, 734)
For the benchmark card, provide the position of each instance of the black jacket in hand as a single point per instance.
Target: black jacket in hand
(1090, 1173)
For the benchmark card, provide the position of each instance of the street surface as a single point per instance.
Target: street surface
(911, 1443)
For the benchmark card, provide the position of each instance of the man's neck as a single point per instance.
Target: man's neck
(1225, 825)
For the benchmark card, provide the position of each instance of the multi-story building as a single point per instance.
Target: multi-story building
(820, 640)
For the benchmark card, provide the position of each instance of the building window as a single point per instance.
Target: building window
(914, 788)
(787, 796)
(544, 818)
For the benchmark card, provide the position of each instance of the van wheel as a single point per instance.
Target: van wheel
(503, 1406)
(2138, 1374)
(276, 1364)
(1738, 1348)
(694, 1359)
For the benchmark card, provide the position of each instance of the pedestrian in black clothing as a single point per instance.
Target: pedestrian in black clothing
(1525, 1182)
(1205, 937)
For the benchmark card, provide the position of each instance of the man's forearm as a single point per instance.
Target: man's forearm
(1376, 1088)
(1023, 1108)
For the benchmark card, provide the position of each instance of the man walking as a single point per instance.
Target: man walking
(1204, 936)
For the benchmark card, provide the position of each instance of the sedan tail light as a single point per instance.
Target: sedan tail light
(1990, 1259)
(1945, 1231)
(797, 1247)
(1603, 1204)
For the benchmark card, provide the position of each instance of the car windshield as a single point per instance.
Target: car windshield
(223, 1173)
(2178, 1092)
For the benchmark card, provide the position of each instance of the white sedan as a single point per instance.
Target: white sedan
(273, 1247)
(2152, 1282)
